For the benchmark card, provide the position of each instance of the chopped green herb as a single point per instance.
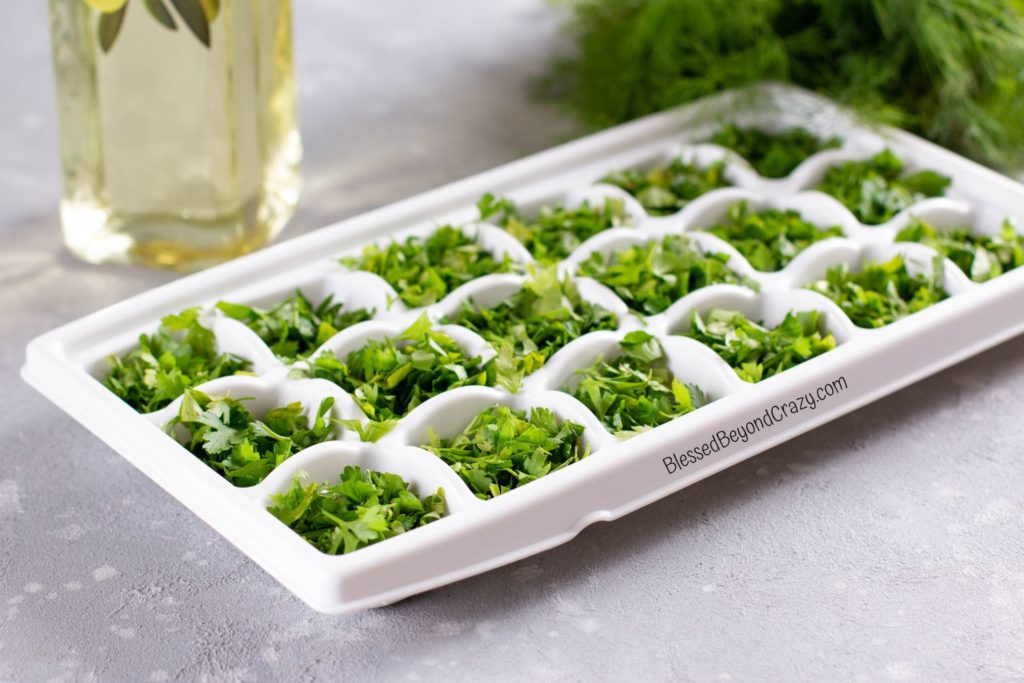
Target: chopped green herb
(874, 189)
(228, 438)
(542, 317)
(390, 377)
(652, 276)
(756, 352)
(180, 354)
(664, 190)
(636, 391)
(294, 328)
(769, 239)
(366, 507)
(773, 155)
(981, 257)
(555, 231)
(881, 293)
(503, 449)
(424, 270)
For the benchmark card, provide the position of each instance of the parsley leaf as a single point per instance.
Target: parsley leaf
(503, 449)
(555, 231)
(756, 352)
(771, 238)
(364, 508)
(980, 257)
(424, 270)
(664, 190)
(874, 189)
(294, 328)
(635, 391)
(227, 437)
(773, 155)
(180, 354)
(650, 277)
(880, 293)
(542, 317)
(390, 377)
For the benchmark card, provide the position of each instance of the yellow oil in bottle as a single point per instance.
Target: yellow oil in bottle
(176, 154)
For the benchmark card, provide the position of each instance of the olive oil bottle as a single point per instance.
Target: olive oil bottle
(178, 129)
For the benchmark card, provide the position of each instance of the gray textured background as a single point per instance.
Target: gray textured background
(884, 546)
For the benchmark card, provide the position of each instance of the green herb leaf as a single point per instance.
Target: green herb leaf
(364, 508)
(650, 277)
(980, 257)
(194, 15)
(109, 27)
(389, 378)
(771, 238)
(161, 13)
(503, 448)
(225, 435)
(881, 293)
(294, 328)
(424, 270)
(180, 354)
(664, 190)
(635, 391)
(756, 352)
(555, 231)
(874, 189)
(542, 317)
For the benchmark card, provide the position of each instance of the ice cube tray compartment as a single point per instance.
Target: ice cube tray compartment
(618, 476)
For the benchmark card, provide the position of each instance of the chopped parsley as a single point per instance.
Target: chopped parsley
(636, 391)
(769, 239)
(243, 449)
(555, 231)
(390, 377)
(294, 328)
(542, 317)
(756, 352)
(503, 448)
(179, 355)
(363, 508)
(875, 189)
(880, 293)
(652, 276)
(980, 257)
(773, 155)
(423, 270)
(664, 190)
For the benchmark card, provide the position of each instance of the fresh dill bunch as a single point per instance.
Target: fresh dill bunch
(948, 70)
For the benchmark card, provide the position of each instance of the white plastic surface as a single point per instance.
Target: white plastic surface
(619, 476)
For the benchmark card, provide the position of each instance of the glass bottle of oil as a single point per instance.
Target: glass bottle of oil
(178, 130)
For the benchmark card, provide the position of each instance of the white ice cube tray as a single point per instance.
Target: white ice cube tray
(68, 363)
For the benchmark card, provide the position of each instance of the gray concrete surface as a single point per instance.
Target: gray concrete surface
(884, 546)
